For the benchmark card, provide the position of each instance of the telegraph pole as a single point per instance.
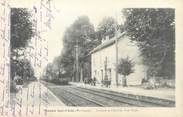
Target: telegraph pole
(105, 65)
(118, 36)
(116, 46)
(77, 62)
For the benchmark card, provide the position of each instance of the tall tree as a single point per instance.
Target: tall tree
(21, 33)
(21, 27)
(125, 68)
(81, 34)
(154, 30)
(107, 27)
(23, 68)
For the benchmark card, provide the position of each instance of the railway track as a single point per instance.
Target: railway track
(132, 100)
(74, 99)
(85, 97)
(103, 101)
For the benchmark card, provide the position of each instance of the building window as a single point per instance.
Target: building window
(102, 75)
(95, 73)
(94, 60)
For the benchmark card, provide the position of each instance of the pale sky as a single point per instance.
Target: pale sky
(67, 12)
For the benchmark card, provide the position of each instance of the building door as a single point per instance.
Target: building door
(109, 74)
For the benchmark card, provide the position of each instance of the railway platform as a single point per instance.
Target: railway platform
(35, 94)
(161, 93)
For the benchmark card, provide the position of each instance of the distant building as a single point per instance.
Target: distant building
(105, 57)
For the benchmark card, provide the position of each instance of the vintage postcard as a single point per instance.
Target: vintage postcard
(91, 58)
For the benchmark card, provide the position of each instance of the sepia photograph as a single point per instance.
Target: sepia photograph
(59, 54)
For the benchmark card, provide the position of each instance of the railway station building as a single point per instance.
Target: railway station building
(105, 57)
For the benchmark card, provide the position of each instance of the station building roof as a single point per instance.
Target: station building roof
(106, 43)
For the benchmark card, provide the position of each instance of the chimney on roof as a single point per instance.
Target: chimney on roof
(105, 38)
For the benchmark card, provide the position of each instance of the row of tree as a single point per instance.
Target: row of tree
(78, 40)
(21, 33)
(153, 29)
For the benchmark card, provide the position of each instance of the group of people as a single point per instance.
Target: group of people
(90, 81)
(93, 81)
